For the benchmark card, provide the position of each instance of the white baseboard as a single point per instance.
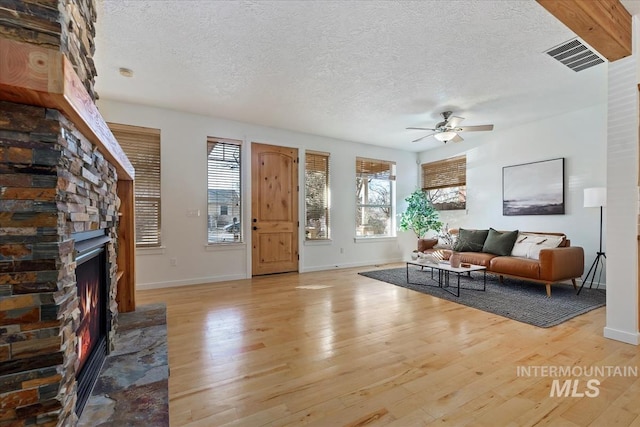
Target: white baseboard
(595, 284)
(189, 282)
(212, 279)
(348, 265)
(624, 336)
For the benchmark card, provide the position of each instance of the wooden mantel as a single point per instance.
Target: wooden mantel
(35, 75)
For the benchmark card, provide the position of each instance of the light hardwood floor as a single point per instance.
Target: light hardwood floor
(335, 348)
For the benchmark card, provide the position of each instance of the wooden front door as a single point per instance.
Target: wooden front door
(274, 209)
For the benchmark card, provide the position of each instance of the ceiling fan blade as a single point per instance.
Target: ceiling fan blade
(454, 121)
(421, 138)
(420, 129)
(457, 138)
(474, 128)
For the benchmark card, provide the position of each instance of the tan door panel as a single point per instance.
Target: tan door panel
(274, 209)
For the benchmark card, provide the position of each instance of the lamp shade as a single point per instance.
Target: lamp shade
(595, 197)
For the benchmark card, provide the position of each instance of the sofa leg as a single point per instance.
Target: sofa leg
(548, 286)
(575, 286)
(501, 279)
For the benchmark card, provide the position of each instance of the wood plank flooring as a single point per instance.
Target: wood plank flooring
(335, 348)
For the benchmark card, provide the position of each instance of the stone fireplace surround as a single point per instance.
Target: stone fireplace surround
(53, 183)
(59, 165)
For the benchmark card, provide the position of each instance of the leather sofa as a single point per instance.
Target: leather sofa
(553, 265)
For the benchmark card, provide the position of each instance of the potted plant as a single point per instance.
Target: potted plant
(420, 215)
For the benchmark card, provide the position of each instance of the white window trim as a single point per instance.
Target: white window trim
(374, 239)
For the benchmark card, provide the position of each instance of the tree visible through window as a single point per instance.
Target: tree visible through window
(374, 198)
(316, 183)
(223, 191)
(142, 147)
(445, 182)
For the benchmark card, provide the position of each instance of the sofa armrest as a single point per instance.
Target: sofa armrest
(561, 263)
(425, 244)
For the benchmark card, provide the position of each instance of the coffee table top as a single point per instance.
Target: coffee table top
(445, 266)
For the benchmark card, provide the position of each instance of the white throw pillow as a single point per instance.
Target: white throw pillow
(529, 245)
(522, 245)
(546, 242)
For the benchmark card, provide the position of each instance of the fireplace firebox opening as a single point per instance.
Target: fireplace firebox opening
(92, 269)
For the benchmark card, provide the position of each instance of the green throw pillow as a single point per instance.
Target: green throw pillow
(500, 243)
(470, 240)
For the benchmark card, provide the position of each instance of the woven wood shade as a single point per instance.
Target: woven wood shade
(142, 147)
(378, 169)
(317, 193)
(317, 162)
(444, 173)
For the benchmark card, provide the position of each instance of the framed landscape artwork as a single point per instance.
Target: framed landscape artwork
(533, 188)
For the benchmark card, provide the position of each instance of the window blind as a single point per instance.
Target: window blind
(142, 147)
(317, 195)
(444, 173)
(378, 169)
(223, 190)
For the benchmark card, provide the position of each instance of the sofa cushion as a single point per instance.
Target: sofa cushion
(521, 267)
(477, 258)
(529, 245)
(500, 242)
(470, 240)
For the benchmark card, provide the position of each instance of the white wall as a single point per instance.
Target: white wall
(184, 178)
(579, 137)
(622, 199)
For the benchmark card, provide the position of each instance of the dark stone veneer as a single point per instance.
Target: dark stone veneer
(53, 182)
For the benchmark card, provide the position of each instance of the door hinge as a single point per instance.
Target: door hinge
(298, 257)
(298, 160)
(298, 223)
(298, 187)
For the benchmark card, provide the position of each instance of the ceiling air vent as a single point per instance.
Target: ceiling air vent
(575, 55)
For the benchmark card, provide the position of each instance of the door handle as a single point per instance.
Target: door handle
(255, 228)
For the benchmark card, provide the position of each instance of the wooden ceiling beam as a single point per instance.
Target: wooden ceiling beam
(604, 24)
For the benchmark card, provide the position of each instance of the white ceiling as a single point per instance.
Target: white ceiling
(353, 70)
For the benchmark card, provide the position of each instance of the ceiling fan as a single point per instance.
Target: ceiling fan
(447, 130)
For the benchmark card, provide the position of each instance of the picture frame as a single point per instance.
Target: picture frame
(535, 188)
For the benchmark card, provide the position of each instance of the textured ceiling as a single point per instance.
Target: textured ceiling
(354, 70)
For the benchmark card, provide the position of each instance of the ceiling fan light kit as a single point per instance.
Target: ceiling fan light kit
(445, 136)
(448, 129)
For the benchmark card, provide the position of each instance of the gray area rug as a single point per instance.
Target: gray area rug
(525, 302)
(133, 385)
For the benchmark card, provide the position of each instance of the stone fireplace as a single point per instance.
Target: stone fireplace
(57, 195)
(62, 179)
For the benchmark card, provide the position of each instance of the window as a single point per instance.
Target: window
(316, 188)
(223, 191)
(445, 182)
(142, 147)
(374, 198)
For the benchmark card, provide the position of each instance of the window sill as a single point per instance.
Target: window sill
(374, 239)
(158, 250)
(318, 242)
(231, 246)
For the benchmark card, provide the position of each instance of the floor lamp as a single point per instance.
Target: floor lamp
(595, 198)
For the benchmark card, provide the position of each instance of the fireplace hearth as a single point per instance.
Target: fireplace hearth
(92, 269)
